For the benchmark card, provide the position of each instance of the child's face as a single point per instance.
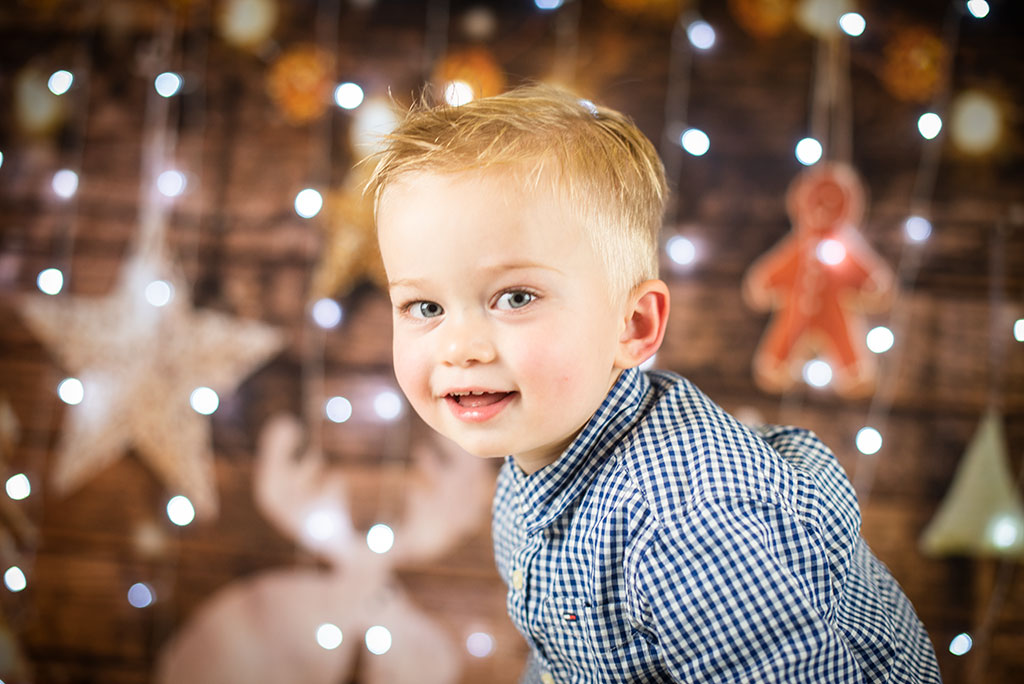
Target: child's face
(505, 330)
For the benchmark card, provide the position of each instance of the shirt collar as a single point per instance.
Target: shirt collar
(545, 494)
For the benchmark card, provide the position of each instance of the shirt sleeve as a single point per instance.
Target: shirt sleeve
(740, 591)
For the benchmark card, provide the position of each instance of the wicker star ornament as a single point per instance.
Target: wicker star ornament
(139, 359)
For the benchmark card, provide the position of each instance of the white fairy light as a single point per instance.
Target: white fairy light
(458, 93)
(167, 84)
(65, 183)
(929, 124)
(338, 409)
(171, 183)
(1018, 330)
(817, 373)
(180, 510)
(681, 250)
(348, 95)
(159, 293)
(60, 82)
(380, 538)
(548, 4)
(18, 487)
(917, 228)
(329, 636)
(378, 640)
(71, 391)
(480, 644)
(1004, 531)
(1, 159)
(50, 281)
(308, 203)
(388, 405)
(14, 579)
(204, 400)
(961, 644)
(327, 313)
(830, 252)
(141, 595)
(852, 24)
(695, 141)
(323, 523)
(978, 8)
(880, 339)
(701, 34)
(808, 151)
(869, 441)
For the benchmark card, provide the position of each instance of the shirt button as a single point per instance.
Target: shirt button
(546, 678)
(518, 580)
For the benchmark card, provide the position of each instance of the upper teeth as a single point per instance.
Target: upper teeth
(475, 394)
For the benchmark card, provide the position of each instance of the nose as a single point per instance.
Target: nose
(467, 340)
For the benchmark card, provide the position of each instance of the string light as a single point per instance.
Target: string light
(60, 82)
(327, 313)
(480, 644)
(14, 579)
(378, 640)
(458, 93)
(141, 595)
(869, 441)
(180, 510)
(1004, 531)
(978, 8)
(338, 409)
(159, 293)
(808, 151)
(388, 405)
(167, 84)
(204, 400)
(961, 644)
(976, 122)
(701, 34)
(817, 373)
(1, 160)
(681, 250)
(71, 391)
(65, 183)
(348, 95)
(1018, 330)
(695, 141)
(329, 636)
(852, 24)
(308, 203)
(548, 4)
(18, 487)
(171, 183)
(380, 538)
(830, 252)
(917, 228)
(929, 124)
(50, 281)
(324, 523)
(880, 339)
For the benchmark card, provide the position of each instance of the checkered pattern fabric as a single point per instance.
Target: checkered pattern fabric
(670, 543)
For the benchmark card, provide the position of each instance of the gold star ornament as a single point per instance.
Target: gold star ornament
(140, 354)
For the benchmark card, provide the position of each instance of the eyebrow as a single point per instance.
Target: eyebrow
(500, 266)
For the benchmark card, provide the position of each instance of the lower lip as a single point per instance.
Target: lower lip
(479, 414)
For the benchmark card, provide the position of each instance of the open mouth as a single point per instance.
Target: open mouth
(474, 400)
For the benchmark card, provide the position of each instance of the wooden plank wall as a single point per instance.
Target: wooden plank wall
(248, 254)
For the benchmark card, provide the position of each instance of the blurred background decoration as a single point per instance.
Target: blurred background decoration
(210, 474)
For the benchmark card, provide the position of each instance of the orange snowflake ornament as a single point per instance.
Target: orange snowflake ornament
(819, 281)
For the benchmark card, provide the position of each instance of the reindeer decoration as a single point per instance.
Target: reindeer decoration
(263, 628)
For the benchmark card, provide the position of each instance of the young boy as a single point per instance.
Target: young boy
(644, 534)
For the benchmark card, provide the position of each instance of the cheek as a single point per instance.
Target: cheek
(410, 368)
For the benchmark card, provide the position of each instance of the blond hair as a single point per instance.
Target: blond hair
(600, 162)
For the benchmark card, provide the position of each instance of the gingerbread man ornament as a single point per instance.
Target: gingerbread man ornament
(819, 281)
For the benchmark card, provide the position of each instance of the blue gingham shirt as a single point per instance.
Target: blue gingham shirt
(670, 543)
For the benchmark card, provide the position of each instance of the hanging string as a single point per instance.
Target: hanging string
(677, 94)
(908, 266)
(567, 33)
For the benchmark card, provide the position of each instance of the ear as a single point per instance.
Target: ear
(645, 322)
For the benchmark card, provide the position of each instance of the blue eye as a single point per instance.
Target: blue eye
(516, 299)
(425, 310)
